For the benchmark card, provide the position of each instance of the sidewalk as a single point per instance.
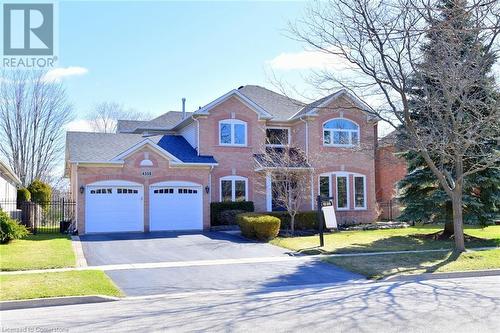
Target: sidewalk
(173, 264)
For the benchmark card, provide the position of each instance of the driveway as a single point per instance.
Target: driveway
(213, 249)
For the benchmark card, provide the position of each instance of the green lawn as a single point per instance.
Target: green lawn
(386, 240)
(39, 251)
(380, 266)
(40, 285)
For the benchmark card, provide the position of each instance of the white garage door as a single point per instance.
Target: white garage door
(114, 207)
(175, 206)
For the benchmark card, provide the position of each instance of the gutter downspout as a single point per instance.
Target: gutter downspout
(197, 135)
(210, 184)
(307, 137)
(77, 193)
(307, 159)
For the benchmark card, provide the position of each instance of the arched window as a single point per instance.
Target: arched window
(232, 132)
(340, 132)
(233, 188)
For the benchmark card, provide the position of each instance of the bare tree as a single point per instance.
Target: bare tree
(33, 113)
(105, 115)
(458, 133)
(290, 174)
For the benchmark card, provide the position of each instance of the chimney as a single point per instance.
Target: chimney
(183, 108)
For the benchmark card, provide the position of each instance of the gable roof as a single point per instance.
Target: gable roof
(313, 108)
(100, 147)
(279, 106)
(86, 147)
(164, 122)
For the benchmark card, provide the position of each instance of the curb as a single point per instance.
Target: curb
(54, 301)
(438, 276)
(78, 249)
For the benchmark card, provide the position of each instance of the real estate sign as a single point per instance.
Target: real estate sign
(330, 218)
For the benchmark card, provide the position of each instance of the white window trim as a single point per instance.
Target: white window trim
(346, 175)
(233, 122)
(331, 130)
(351, 202)
(354, 176)
(233, 187)
(277, 145)
(329, 175)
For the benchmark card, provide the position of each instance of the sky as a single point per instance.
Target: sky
(148, 55)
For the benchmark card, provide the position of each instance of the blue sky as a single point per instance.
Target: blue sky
(148, 55)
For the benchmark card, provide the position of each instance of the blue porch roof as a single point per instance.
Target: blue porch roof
(180, 148)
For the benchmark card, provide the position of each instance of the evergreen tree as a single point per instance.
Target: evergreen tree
(426, 201)
(421, 193)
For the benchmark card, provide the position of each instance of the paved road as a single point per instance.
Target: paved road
(458, 305)
(189, 247)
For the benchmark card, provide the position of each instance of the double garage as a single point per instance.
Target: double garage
(120, 206)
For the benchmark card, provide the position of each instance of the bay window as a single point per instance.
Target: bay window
(359, 192)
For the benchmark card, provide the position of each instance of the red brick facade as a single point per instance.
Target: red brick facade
(378, 168)
(390, 169)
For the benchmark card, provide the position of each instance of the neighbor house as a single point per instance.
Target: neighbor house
(164, 173)
(9, 183)
(390, 168)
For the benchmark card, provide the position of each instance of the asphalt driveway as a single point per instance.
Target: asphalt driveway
(130, 248)
(277, 269)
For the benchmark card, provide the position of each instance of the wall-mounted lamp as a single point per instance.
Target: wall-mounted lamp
(207, 189)
(82, 189)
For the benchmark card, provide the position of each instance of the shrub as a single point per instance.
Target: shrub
(23, 194)
(40, 192)
(228, 217)
(216, 208)
(10, 229)
(307, 220)
(258, 226)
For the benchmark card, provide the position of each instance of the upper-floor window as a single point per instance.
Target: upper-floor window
(232, 132)
(277, 136)
(340, 132)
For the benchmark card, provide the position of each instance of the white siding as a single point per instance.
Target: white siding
(8, 191)
(190, 134)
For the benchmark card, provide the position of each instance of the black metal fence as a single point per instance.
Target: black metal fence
(389, 210)
(52, 216)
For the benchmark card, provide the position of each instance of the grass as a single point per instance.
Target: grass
(41, 285)
(381, 266)
(41, 251)
(387, 240)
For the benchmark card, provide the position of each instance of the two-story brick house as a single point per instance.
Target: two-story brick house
(162, 174)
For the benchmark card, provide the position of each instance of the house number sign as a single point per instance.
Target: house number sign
(147, 173)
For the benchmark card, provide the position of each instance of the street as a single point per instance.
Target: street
(446, 305)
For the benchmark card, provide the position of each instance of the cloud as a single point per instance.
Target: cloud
(56, 74)
(308, 59)
(79, 125)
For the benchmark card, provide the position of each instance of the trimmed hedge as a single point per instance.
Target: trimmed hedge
(258, 226)
(216, 208)
(23, 195)
(307, 220)
(10, 229)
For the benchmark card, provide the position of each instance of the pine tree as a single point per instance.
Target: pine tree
(423, 197)
(425, 201)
